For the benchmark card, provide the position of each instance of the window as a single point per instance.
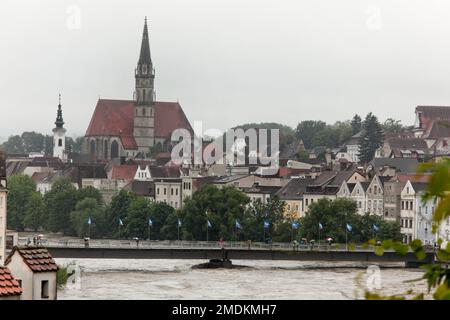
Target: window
(59, 142)
(359, 204)
(403, 205)
(44, 289)
(410, 224)
(143, 111)
(410, 205)
(165, 191)
(176, 191)
(171, 191)
(306, 202)
(157, 190)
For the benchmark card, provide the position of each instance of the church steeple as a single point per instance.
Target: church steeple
(59, 135)
(59, 118)
(144, 97)
(145, 57)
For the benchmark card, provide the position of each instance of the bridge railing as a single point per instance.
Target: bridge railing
(175, 244)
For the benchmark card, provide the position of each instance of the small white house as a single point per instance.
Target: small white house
(35, 271)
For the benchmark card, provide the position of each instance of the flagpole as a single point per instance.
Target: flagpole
(346, 241)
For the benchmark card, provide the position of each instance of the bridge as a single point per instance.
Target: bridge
(132, 249)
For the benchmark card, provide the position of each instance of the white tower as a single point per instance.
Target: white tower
(59, 135)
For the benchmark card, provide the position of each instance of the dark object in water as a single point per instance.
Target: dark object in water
(218, 263)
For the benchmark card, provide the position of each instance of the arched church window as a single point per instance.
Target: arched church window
(106, 150)
(114, 150)
(92, 146)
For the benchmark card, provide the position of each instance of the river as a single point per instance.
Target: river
(175, 279)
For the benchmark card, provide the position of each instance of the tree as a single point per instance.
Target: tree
(334, 216)
(258, 213)
(223, 206)
(159, 211)
(86, 209)
(90, 192)
(34, 212)
(392, 127)
(118, 209)
(60, 201)
(21, 189)
(371, 140)
(307, 130)
(356, 124)
(136, 221)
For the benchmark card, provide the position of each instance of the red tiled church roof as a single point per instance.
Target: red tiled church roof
(38, 259)
(115, 118)
(8, 285)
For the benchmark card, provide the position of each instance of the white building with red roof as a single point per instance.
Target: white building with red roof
(129, 128)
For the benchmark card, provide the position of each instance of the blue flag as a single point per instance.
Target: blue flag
(89, 221)
(120, 222)
(238, 225)
(349, 227)
(294, 225)
(266, 224)
(209, 224)
(150, 222)
(320, 226)
(179, 222)
(375, 228)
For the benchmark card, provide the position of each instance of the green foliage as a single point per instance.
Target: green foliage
(307, 130)
(223, 205)
(60, 201)
(36, 142)
(62, 275)
(136, 220)
(21, 200)
(372, 138)
(85, 209)
(34, 212)
(334, 215)
(356, 124)
(392, 127)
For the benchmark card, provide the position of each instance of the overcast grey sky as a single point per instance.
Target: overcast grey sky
(227, 62)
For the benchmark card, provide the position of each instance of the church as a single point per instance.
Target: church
(134, 128)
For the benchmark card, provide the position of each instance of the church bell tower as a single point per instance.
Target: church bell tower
(144, 97)
(59, 135)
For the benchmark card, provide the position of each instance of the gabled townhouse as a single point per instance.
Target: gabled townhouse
(293, 195)
(415, 214)
(392, 193)
(328, 184)
(375, 195)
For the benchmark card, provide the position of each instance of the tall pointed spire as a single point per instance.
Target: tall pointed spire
(145, 57)
(59, 119)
